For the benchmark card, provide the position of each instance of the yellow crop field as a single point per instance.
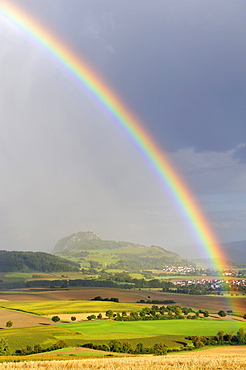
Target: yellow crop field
(182, 362)
(70, 307)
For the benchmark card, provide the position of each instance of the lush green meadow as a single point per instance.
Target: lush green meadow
(44, 335)
(70, 307)
(105, 328)
(172, 332)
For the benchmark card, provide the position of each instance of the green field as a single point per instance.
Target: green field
(92, 330)
(45, 336)
(73, 306)
(172, 332)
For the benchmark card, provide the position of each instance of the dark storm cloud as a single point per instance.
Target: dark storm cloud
(180, 65)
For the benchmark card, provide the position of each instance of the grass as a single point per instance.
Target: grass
(48, 335)
(172, 332)
(104, 329)
(71, 351)
(74, 306)
(44, 335)
(19, 275)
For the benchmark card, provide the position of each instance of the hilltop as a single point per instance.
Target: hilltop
(88, 247)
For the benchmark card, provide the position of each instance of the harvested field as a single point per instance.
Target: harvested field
(79, 316)
(181, 362)
(218, 351)
(128, 296)
(15, 297)
(210, 303)
(21, 319)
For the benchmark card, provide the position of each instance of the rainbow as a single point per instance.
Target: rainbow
(173, 182)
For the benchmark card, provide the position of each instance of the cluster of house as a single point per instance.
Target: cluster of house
(212, 283)
(179, 269)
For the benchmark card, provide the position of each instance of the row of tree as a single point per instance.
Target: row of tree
(157, 313)
(160, 348)
(221, 338)
(127, 347)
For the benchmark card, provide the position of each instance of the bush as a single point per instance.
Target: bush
(55, 318)
(160, 349)
(9, 324)
(222, 313)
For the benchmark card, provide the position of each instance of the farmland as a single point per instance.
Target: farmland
(152, 328)
(197, 361)
(172, 332)
(66, 307)
(31, 311)
(211, 303)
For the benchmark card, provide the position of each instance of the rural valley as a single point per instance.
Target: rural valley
(78, 302)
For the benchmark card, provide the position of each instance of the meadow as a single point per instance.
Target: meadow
(172, 333)
(104, 328)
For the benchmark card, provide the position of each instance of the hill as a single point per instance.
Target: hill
(89, 247)
(34, 261)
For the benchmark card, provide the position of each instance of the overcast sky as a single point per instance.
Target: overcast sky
(65, 166)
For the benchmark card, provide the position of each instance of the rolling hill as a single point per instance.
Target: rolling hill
(34, 261)
(89, 247)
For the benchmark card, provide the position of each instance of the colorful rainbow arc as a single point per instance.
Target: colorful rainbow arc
(175, 184)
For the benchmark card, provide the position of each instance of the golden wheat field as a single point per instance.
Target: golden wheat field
(200, 361)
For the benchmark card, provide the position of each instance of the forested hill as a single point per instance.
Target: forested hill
(87, 247)
(34, 261)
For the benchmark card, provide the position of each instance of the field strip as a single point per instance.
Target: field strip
(172, 362)
(56, 307)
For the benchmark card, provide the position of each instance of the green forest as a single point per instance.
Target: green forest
(34, 261)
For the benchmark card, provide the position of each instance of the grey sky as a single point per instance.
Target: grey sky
(65, 165)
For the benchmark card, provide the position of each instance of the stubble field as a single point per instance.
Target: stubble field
(197, 361)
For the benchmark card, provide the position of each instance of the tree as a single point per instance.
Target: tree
(220, 336)
(197, 341)
(115, 345)
(205, 314)
(73, 318)
(4, 347)
(178, 311)
(139, 348)
(160, 349)
(55, 318)
(91, 317)
(127, 347)
(99, 316)
(9, 324)
(109, 314)
(37, 348)
(241, 336)
(222, 313)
